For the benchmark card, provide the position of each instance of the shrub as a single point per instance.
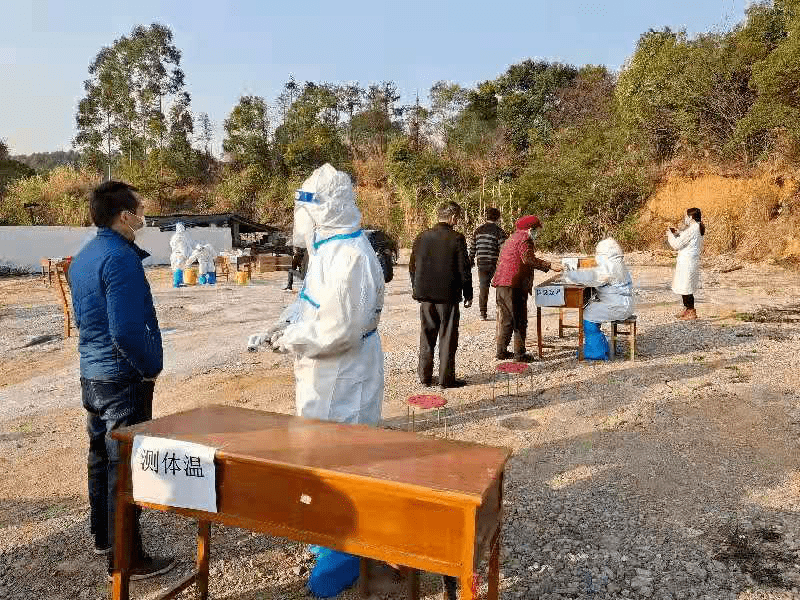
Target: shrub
(62, 196)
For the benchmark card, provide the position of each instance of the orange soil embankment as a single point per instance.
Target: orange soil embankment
(756, 217)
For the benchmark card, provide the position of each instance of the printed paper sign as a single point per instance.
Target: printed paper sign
(550, 295)
(173, 473)
(570, 262)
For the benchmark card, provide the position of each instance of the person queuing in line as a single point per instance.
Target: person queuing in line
(689, 244)
(514, 283)
(120, 354)
(299, 266)
(483, 252)
(440, 277)
(613, 299)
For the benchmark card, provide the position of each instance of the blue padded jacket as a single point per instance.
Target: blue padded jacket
(119, 336)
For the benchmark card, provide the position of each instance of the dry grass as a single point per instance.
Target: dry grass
(756, 217)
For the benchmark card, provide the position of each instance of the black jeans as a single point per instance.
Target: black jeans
(438, 321)
(485, 274)
(512, 317)
(688, 301)
(109, 406)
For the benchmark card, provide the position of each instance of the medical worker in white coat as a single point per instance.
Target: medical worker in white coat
(332, 326)
(613, 300)
(689, 244)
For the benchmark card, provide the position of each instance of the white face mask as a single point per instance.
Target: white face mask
(303, 229)
(688, 220)
(139, 221)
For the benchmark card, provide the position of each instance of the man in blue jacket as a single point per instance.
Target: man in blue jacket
(120, 353)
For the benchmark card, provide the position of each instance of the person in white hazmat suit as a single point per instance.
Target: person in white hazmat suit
(332, 330)
(332, 326)
(614, 295)
(689, 244)
(204, 254)
(181, 250)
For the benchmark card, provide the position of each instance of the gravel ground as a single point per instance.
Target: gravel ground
(675, 476)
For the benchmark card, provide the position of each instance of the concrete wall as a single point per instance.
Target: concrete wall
(23, 247)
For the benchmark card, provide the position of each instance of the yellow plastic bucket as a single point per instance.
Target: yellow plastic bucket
(190, 276)
(242, 277)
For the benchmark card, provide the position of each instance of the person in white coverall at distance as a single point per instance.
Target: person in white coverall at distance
(204, 254)
(180, 251)
(332, 326)
(689, 244)
(614, 295)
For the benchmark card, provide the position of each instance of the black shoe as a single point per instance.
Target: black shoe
(286, 289)
(524, 358)
(148, 566)
(100, 550)
(483, 318)
(456, 383)
(504, 355)
(426, 383)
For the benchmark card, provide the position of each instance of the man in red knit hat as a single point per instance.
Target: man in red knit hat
(514, 282)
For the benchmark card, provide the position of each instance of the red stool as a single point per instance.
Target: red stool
(425, 402)
(512, 368)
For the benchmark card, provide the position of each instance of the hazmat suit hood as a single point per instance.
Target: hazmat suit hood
(609, 256)
(325, 206)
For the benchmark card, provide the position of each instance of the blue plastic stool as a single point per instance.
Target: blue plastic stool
(177, 278)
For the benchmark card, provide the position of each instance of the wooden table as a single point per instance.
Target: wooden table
(575, 296)
(407, 499)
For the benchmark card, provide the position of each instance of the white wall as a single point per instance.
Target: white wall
(24, 247)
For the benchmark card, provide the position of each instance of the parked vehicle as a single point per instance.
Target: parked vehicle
(380, 239)
(386, 249)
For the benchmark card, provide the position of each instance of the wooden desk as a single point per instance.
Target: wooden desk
(575, 296)
(407, 499)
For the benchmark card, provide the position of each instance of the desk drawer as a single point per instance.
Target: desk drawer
(343, 509)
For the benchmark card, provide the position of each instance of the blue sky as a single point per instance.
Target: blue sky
(250, 47)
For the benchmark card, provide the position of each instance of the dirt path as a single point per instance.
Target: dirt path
(676, 476)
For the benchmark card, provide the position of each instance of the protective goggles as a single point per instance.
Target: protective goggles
(302, 196)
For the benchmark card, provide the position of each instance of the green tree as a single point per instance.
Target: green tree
(527, 91)
(130, 83)
(206, 133)
(180, 154)
(247, 132)
(310, 136)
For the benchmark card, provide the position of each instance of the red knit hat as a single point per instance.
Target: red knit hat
(527, 222)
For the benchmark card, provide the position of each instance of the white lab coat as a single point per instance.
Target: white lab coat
(612, 282)
(332, 326)
(689, 244)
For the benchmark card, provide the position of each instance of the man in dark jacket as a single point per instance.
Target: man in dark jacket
(299, 266)
(484, 250)
(440, 275)
(514, 282)
(120, 353)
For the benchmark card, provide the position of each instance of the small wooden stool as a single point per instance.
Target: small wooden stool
(425, 402)
(511, 368)
(630, 333)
